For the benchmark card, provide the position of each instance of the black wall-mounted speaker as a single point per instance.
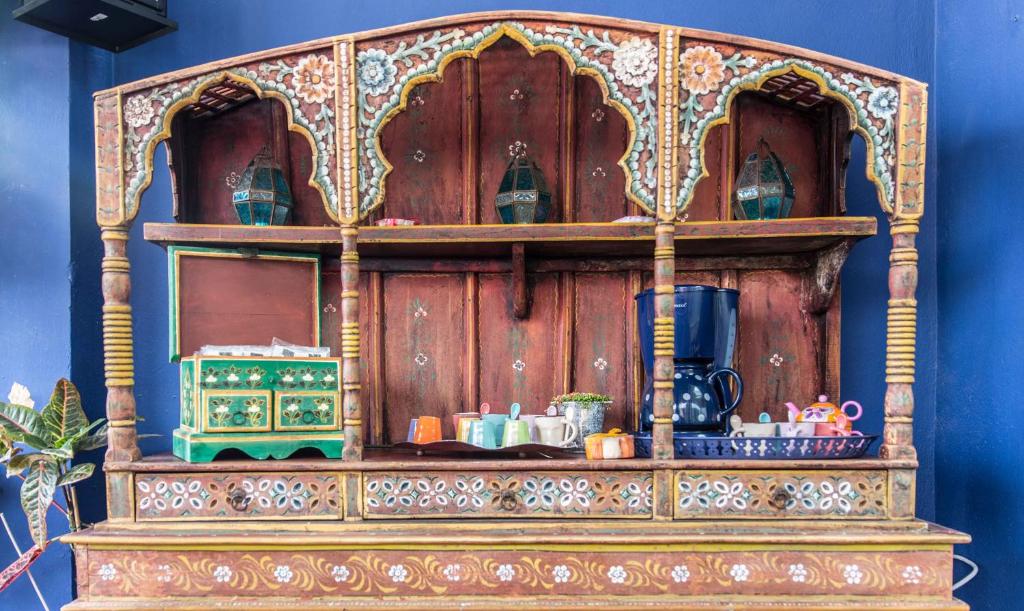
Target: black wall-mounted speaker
(114, 25)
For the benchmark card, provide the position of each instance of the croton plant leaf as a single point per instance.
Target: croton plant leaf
(37, 494)
(63, 415)
(76, 474)
(23, 424)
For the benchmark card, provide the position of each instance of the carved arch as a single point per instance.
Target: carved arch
(878, 130)
(640, 117)
(141, 145)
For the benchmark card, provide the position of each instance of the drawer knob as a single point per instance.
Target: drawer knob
(239, 500)
(508, 500)
(779, 499)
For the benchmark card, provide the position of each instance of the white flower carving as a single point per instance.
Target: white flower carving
(506, 572)
(107, 572)
(138, 111)
(340, 573)
(835, 495)
(313, 79)
(739, 572)
(254, 377)
(398, 573)
(187, 495)
(376, 71)
(600, 363)
(222, 573)
(852, 574)
(421, 359)
(20, 395)
(452, 572)
(283, 573)
(883, 101)
(776, 359)
(912, 574)
(420, 312)
(152, 496)
(212, 379)
(560, 573)
(232, 377)
(617, 574)
(519, 365)
(635, 62)
(729, 494)
(680, 574)
(306, 377)
(798, 573)
(165, 573)
(329, 378)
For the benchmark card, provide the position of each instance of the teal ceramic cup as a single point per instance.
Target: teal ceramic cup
(481, 433)
(516, 432)
(497, 421)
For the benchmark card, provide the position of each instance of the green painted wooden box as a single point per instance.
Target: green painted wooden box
(264, 406)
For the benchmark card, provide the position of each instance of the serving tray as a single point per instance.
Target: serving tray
(757, 448)
(461, 448)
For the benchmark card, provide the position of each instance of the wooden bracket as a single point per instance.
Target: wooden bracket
(821, 287)
(520, 295)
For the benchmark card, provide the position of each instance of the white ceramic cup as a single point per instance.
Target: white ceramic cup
(555, 431)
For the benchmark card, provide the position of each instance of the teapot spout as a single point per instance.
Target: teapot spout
(793, 409)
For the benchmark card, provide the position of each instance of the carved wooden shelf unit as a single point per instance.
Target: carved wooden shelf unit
(416, 121)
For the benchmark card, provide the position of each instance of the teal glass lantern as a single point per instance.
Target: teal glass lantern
(523, 196)
(262, 196)
(763, 187)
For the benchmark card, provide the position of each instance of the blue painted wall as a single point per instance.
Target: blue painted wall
(49, 307)
(979, 450)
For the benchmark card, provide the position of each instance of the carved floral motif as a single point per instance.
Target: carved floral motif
(519, 572)
(856, 494)
(208, 495)
(499, 494)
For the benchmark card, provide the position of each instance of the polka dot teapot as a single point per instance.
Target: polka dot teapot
(823, 411)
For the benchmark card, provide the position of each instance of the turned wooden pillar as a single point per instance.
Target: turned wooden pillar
(118, 368)
(352, 411)
(901, 333)
(664, 343)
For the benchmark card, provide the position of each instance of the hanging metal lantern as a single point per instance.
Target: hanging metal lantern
(262, 196)
(523, 196)
(763, 187)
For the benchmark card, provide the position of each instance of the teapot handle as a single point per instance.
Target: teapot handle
(857, 414)
(739, 386)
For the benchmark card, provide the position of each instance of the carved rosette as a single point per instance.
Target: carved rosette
(624, 63)
(712, 74)
(855, 494)
(221, 495)
(304, 82)
(627, 573)
(526, 495)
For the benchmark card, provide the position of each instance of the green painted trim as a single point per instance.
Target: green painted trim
(174, 252)
(199, 448)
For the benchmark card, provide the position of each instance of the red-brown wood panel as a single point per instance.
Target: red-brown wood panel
(798, 137)
(600, 357)
(519, 101)
(218, 149)
(520, 360)
(599, 140)
(707, 196)
(779, 351)
(424, 344)
(425, 145)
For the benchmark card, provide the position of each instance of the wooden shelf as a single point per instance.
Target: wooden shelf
(708, 239)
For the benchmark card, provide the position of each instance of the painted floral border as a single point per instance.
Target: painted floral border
(516, 572)
(306, 80)
(626, 62)
(711, 75)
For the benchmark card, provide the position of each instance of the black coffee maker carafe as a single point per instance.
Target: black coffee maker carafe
(706, 388)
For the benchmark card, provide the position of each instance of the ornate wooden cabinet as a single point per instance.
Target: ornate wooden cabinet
(417, 121)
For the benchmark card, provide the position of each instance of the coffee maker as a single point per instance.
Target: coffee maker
(705, 341)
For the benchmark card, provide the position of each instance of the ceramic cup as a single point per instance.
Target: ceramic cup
(531, 423)
(796, 429)
(462, 434)
(497, 421)
(833, 429)
(428, 429)
(481, 433)
(555, 431)
(411, 437)
(516, 432)
(456, 418)
(755, 429)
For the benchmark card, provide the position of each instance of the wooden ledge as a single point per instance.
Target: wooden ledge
(393, 460)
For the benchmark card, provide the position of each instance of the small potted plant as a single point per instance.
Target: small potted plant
(589, 409)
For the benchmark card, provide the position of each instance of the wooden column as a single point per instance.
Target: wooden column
(352, 411)
(664, 343)
(901, 333)
(118, 369)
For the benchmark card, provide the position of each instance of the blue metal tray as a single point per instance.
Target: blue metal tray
(759, 448)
